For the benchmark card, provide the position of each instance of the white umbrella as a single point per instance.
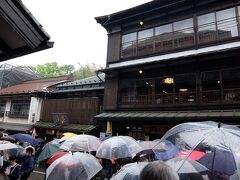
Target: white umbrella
(7, 146)
(76, 166)
(130, 171)
(118, 147)
(183, 165)
(81, 142)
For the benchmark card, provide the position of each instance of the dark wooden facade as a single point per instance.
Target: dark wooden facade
(171, 56)
(78, 110)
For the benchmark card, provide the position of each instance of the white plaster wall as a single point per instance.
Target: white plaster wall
(35, 110)
(13, 120)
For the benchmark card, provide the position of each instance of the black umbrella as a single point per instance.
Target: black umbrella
(220, 161)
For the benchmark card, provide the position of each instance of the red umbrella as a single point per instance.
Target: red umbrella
(56, 156)
(194, 155)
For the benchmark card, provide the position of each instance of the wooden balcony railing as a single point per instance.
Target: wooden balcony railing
(208, 96)
(211, 96)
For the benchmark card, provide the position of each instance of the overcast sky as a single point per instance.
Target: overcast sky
(71, 25)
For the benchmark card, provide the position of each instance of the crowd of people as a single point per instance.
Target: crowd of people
(16, 165)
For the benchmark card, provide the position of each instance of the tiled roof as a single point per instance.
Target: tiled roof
(68, 127)
(34, 86)
(166, 115)
(86, 81)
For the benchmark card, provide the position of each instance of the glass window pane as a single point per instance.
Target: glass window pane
(184, 33)
(227, 23)
(145, 42)
(163, 29)
(164, 90)
(145, 34)
(206, 28)
(129, 37)
(211, 86)
(231, 84)
(129, 45)
(185, 88)
(183, 25)
(163, 38)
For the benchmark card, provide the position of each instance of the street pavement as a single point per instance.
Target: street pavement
(37, 174)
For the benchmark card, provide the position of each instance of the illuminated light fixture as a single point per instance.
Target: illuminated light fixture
(140, 71)
(183, 90)
(218, 82)
(141, 23)
(168, 80)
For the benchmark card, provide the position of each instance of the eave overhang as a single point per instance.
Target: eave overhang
(20, 33)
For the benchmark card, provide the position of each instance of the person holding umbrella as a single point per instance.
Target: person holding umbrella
(27, 164)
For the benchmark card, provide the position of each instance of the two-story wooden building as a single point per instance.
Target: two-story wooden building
(171, 61)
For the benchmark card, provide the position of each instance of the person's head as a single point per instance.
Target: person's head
(29, 151)
(158, 170)
(12, 159)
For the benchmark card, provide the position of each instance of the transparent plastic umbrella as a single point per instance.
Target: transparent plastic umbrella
(165, 150)
(209, 137)
(86, 143)
(76, 166)
(147, 147)
(182, 165)
(6, 146)
(130, 171)
(118, 147)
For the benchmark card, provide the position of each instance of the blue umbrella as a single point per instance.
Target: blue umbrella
(220, 161)
(26, 138)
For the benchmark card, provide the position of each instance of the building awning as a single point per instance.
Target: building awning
(15, 127)
(80, 128)
(168, 115)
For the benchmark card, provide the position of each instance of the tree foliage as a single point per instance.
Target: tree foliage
(85, 71)
(54, 70)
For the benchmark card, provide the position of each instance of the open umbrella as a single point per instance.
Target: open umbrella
(76, 166)
(118, 147)
(69, 134)
(48, 151)
(183, 166)
(147, 147)
(208, 137)
(26, 138)
(130, 171)
(7, 145)
(164, 150)
(81, 142)
(194, 155)
(215, 160)
(8, 138)
(56, 156)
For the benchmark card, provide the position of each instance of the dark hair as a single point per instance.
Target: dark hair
(29, 150)
(158, 170)
(12, 158)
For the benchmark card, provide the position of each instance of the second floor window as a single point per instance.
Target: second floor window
(211, 27)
